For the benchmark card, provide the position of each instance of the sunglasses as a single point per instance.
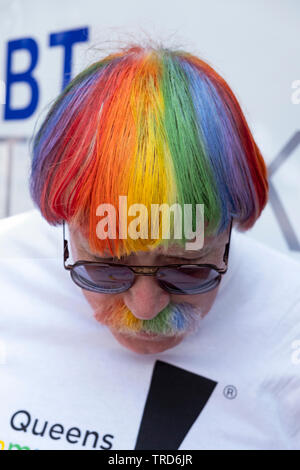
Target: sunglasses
(114, 278)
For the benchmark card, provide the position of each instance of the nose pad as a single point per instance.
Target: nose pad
(145, 299)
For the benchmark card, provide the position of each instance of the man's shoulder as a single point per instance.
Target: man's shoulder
(261, 270)
(29, 235)
(256, 251)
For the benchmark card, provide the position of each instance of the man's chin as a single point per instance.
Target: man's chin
(146, 343)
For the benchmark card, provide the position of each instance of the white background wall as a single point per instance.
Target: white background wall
(253, 44)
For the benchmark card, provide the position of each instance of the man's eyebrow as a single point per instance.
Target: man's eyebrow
(196, 255)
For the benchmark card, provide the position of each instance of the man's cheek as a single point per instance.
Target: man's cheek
(98, 302)
(107, 308)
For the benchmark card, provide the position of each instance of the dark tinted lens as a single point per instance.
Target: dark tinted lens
(188, 279)
(104, 279)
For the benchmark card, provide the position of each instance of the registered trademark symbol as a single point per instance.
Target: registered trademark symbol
(230, 392)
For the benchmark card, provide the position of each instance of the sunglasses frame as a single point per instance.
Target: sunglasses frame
(145, 270)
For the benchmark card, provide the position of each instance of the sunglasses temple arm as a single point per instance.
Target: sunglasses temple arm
(65, 248)
(226, 253)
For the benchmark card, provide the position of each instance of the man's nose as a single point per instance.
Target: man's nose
(145, 299)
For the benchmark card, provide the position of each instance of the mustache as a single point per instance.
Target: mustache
(174, 319)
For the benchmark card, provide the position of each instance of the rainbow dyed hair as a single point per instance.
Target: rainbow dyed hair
(154, 124)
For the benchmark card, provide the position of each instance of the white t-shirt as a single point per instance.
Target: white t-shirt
(66, 382)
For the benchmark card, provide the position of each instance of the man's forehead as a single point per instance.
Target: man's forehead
(172, 248)
(210, 243)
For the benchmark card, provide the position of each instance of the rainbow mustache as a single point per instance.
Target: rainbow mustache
(175, 319)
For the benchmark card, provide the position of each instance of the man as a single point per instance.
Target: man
(205, 339)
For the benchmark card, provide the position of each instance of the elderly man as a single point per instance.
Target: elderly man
(206, 336)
